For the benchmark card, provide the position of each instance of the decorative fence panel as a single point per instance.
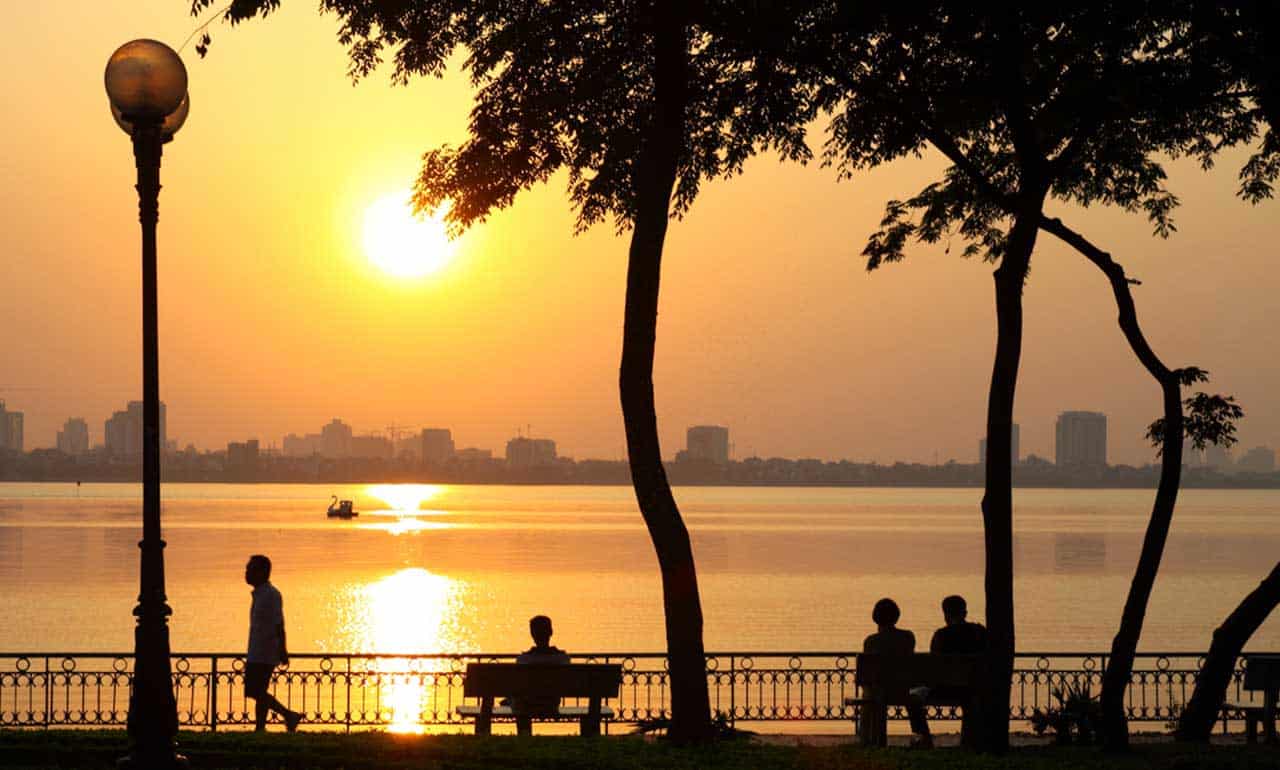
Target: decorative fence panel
(413, 692)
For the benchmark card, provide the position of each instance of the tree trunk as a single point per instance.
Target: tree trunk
(997, 500)
(1228, 640)
(1124, 647)
(655, 179)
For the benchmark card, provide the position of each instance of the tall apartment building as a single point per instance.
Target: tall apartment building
(1260, 459)
(1081, 439)
(1218, 458)
(122, 433)
(10, 429)
(1015, 452)
(372, 447)
(242, 457)
(525, 452)
(437, 445)
(73, 439)
(708, 443)
(335, 439)
(300, 446)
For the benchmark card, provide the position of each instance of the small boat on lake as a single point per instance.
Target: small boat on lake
(341, 509)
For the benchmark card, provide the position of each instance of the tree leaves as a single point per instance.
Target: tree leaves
(1209, 419)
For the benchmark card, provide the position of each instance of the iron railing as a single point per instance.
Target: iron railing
(412, 692)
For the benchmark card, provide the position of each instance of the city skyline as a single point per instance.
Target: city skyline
(397, 437)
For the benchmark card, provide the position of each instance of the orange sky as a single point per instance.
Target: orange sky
(273, 320)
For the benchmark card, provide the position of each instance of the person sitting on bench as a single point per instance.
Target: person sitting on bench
(958, 636)
(891, 640)
(541, 653)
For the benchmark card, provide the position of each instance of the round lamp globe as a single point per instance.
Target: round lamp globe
(145, 79)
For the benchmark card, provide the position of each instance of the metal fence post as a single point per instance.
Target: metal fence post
(48, 694)
(348, 709)
(213, 694)
(733, 690)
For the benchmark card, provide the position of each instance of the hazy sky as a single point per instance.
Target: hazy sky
(272, 319)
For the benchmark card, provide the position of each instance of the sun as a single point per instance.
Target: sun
(403, 244)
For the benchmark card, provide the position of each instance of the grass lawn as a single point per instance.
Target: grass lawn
(99, 749)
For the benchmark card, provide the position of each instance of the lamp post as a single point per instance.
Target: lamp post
(147, 85)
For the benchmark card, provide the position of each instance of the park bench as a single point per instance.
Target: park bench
(591, 681)
(1261, 674)
(886, 680)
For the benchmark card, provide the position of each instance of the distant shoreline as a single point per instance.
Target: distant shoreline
(1243, 485)
(43, 465)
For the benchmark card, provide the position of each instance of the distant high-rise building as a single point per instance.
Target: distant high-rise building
(373, 447)
(1015, 452)
(1218, 458)
(1081, 439)
(335, 439)
(242, 457)
(474, 455)
(437, 445)
(300, 446)
(73, 439)
(525, 452)
(1260, 459)
(409, 446)
(708, 443)
(10, 429)
(122, 433)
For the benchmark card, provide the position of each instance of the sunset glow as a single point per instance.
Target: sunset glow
(404, 244)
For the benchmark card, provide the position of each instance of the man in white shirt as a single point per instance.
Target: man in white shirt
(266, 644)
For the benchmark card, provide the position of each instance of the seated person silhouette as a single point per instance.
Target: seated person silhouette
(958, 636)
(541, 653)
(891, 640)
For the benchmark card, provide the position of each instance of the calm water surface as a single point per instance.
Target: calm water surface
(461, 568)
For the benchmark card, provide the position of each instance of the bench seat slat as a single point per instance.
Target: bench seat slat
(566, 712)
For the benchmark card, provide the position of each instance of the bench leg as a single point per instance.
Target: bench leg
(590, 724)
(1250, 727)
(484, 722)
(524, 725)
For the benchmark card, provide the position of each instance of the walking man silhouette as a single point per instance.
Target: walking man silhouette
(266, 644)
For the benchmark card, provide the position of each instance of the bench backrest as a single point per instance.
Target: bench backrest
(898, 673)
(516, 680)
(1262, 672)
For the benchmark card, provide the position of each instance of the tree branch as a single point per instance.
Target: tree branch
(1120, 287)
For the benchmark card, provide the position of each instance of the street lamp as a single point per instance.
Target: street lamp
(147, 85)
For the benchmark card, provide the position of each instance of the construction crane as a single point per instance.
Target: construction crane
(394, 432)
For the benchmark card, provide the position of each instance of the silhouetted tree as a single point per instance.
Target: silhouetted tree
(1209, 419)
(1229, 639)
(639, 102)
(1028, 103)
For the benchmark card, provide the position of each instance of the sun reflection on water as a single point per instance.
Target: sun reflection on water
(405, 498)
(407, 612)
(404, 502)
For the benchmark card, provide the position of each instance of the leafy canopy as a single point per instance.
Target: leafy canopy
(1078, 102)
(568, 85)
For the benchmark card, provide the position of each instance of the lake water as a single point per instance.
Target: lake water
(461, 568)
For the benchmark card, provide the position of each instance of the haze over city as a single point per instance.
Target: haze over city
(274, 317)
